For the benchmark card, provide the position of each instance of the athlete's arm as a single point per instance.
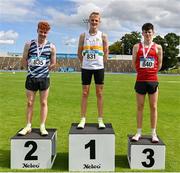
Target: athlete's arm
(53, 57)
(25, 55)
(134, 55)
(105, 47)
(160, 56)
(80, 47)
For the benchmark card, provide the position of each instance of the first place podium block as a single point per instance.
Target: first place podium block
(146, 155)
(33, 151)
(91, 149)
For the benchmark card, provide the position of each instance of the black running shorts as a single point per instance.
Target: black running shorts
(146, 87)
(35, 84)
(86, 76)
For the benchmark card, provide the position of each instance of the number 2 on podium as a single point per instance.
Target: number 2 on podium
(33, 149)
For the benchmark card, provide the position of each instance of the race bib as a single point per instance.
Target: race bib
(37, 61)
(146, 62)
(91, 56)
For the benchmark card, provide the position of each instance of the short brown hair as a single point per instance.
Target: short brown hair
(147, 26)
(44, 25)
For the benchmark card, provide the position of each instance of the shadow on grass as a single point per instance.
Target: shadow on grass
(121, 161)
(61, 162)
(5, 158)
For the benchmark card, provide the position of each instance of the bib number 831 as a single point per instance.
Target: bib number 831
(91, 56)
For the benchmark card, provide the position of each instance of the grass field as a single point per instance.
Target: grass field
(64, 109)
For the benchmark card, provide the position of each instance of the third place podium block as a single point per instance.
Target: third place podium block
(91, 149)
(33, 151)
(146, 155)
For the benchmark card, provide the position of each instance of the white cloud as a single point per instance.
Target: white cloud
(70, 41)
(123, 15)
(8, 37)
(6, 41)
(116, 14)
(16, 10)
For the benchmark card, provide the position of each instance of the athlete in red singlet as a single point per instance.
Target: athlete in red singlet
(147, 61)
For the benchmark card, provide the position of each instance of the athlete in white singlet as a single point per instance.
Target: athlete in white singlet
(92, 52)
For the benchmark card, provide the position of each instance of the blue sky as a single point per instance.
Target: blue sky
(19, 18)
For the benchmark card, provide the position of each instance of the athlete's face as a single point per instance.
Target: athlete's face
(94, 21)
(42, 34)
(148, 35)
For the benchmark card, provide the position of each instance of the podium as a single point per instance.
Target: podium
(91, 149)
(33, 151)
(144, 154)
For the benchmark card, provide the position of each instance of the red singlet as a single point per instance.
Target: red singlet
(147, 68)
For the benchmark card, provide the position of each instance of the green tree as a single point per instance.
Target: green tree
(115, 48)
(129, 40)
(170, 44)
(125, 45)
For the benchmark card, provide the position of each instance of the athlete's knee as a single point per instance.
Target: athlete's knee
(140, 107)
(30, 103)
(153, 107)
(99, 93)
(85, 94)
(43, 103)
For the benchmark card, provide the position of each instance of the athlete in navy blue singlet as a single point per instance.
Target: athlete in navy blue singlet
(39, 57)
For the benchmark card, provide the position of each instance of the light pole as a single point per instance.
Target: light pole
(86, 21)
(179, 45)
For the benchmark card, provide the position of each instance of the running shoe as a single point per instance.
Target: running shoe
(101, 124)
(43, 130)
(155, 138)
(136, 137)
(81, 124)
(25, 131)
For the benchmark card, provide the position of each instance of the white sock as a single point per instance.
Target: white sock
(153, 131)
(100, 118)
(42, 125)
(28, 125)
(83, 119)
(139, 131)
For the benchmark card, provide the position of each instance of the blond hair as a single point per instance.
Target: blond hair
(94, 13)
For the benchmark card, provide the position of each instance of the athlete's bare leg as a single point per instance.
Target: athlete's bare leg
(30, 104)
(153, 99)
(140, 99)
(99, 95)
(85, 94)
(44, 106)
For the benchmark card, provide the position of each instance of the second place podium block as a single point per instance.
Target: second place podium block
(91, 149)
(33, 151)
